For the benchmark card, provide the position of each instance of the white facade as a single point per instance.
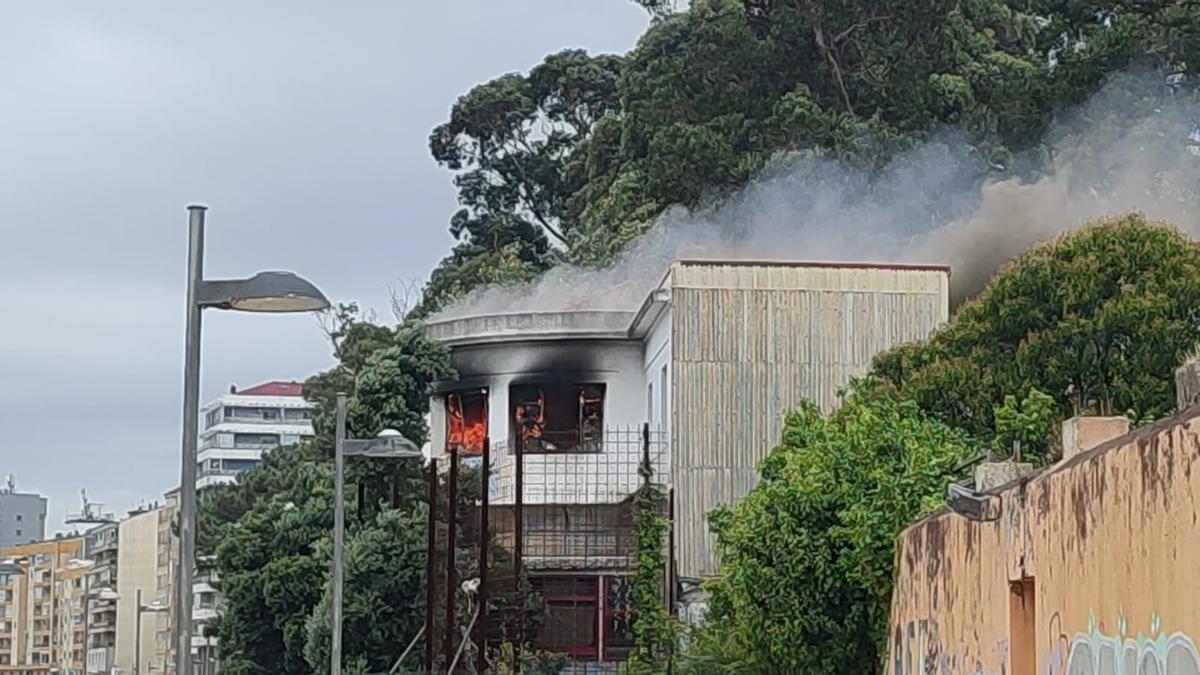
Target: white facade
(238, 427)
(711, 361)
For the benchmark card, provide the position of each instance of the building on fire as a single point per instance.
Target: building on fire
(708, 364)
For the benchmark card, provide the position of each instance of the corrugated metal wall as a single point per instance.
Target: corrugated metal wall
(750, 342)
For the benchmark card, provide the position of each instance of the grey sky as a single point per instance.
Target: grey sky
(303, 126)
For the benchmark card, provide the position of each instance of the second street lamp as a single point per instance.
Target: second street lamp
(388, 444)
(274, 292)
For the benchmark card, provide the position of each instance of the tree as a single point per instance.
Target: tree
(384, 594)
(1097, 319)
(806, 556)
(271, 529)
(512, 143)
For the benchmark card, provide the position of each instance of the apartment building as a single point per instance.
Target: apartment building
(240, 425)
(22, 515)
(100, 547)
(137, 556)
(166, 567)
(43, 620)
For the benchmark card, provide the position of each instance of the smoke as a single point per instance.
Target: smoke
(1120, 152)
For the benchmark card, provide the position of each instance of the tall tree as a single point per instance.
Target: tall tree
(511, 144)
(271, 529)
(1098, 319)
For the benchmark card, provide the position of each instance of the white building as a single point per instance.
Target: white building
(237, 427)
(709, 363)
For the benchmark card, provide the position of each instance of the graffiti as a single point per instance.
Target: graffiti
(919, 653)
(1156, 653)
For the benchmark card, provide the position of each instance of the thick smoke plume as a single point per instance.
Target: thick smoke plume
(1115, 154)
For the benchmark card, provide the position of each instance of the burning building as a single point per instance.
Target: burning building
(696, 379)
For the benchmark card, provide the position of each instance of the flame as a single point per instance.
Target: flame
(466, 422)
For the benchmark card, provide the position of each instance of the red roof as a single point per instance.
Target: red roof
(276, 388)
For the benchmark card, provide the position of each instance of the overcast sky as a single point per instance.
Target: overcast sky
(302, 125)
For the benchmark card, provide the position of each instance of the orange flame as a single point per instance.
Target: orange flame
(466, 419)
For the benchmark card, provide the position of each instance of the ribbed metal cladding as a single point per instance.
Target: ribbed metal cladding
(750, 341)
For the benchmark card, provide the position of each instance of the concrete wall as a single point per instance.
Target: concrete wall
(752, 340)
(22, 518)
(137, 565)
(1089, 569)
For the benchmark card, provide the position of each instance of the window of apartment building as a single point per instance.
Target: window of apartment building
(19, 532)
(650, 403)
(238, 464)
(212, 418)
(270, 414)
(255, 439)
(466, 420)
(20, 517)
(296, 415)
(558, 417)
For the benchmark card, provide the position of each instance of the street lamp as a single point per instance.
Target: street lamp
(137, 638)
(263, 292)
(388, 444)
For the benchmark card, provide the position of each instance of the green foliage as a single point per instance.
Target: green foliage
(1097, 320)
(807, 556)
(271, 529)
(1028, 423)
(384, 594)
(653, 629)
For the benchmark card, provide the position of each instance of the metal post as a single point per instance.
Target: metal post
(362, 499)
(431, 567)
(339, 516)
(137, 638)
(191, 415)
(451, 542)
(484, 542)
(671, 582)
(518, 548)
(87, 610)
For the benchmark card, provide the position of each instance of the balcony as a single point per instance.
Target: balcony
(607, 476)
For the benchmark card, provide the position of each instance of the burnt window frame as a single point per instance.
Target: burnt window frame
(580, 446)
(483, 393)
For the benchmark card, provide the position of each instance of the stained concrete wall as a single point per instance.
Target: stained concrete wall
(1092, 567)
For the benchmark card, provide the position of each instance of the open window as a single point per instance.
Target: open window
(466, 420)
(551, 418)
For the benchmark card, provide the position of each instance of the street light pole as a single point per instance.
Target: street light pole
(137, 637)
(191, 423)
(263, 292)
(388, 444)
(339, 516)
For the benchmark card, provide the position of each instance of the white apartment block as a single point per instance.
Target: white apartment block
(239, 426)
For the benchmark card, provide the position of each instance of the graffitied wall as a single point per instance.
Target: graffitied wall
(1091, 567)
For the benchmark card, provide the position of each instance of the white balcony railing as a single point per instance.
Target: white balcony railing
(605, 477)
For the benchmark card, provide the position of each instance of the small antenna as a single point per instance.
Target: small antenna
(93, 513)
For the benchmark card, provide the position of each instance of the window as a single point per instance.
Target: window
(254, 440)
(618, 619)
(239, 464)
(270, 414)
(558, 417)
(650, 403)
(572, 616)
(466, 421)
(20, 517)
(20, 533)
(212, 418)
(294, 415)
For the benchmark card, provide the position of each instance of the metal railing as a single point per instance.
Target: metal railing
(606, 477)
